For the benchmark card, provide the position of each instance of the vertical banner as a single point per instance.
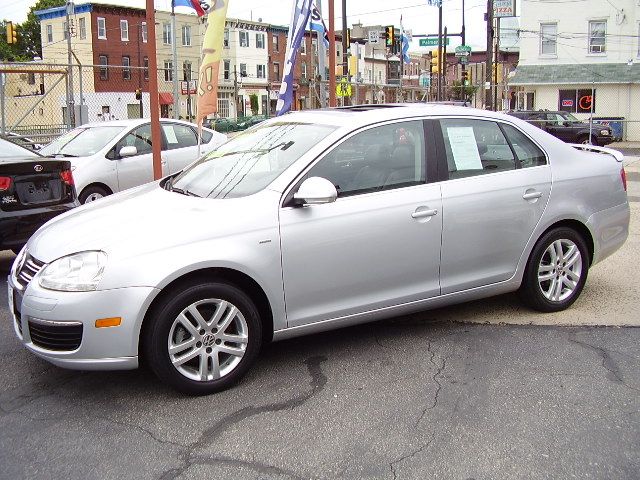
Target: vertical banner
(404, 42)
(211, 55)
(300, 18)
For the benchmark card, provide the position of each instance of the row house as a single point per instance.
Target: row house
(581, 60)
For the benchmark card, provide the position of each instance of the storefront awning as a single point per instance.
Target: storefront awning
(166, 98)
(613, 73)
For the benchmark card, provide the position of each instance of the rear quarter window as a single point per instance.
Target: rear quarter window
(527, 152)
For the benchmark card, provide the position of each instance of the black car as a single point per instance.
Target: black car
(567, 127)
(33, 190)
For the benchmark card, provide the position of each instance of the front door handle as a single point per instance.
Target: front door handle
(532, 195)
(424, 213)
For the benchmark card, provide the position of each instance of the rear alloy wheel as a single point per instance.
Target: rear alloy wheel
(203, 339)
(556, 272)
(92, 193)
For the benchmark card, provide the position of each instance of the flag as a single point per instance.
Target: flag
(404, 41)
(197, 5)
(210, 66)
(317, 24)
(297, 27)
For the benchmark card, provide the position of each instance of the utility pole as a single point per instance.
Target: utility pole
(496, 65)
(71, 113)
(156, 135)
(345, 49)
(488, 100)
(322, 54)
(174, 51)
(443, 65)
(235, 90)
(464, 65)
(439, 91)
(332, 55)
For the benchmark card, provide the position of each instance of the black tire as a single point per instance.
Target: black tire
(90, 192)
(156, 337)
(17, 249)
(585, 140)
(531, 291)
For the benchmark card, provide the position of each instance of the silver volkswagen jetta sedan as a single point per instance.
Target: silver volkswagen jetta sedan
(313, 221)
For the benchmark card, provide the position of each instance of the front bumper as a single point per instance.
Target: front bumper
(109, 348)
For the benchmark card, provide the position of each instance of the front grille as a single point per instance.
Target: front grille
(58, 336)
(25, 273)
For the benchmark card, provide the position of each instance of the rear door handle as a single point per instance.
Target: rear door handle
(532, 195)
(424, 213)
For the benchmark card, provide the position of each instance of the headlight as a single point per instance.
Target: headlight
(80, 272)
(604, 132)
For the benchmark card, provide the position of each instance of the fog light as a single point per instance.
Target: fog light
(108, 322)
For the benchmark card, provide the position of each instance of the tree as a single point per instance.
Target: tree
(29, 42)
(253, 98)
(462, 92)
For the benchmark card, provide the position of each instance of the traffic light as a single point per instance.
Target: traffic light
(435, 61)
(465, 77)
(390, 35)
(12, 34)
(138, 94)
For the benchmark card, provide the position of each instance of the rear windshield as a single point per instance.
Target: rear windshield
(250, 161)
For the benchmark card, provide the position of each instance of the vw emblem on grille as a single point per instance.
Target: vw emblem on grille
(208, 340)
(38, 168)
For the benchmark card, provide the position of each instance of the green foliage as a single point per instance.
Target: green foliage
(29, 42)
(253, 98)
(462, 92)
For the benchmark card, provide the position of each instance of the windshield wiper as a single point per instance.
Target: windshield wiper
(183, 192)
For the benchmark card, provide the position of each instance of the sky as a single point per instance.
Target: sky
(417, 16)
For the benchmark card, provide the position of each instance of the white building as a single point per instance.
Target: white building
(573, 52)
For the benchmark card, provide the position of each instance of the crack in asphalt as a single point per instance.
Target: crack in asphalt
(35, 392)
(141, 429)
(317, 382)
(608, 363)
(409, 455)
(259, 467)
(439, 369)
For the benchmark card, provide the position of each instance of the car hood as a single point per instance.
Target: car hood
(147, 219)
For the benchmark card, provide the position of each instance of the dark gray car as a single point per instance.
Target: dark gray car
(567, 127)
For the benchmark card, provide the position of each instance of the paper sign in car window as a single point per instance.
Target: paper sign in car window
(170, 134)
(464, 148)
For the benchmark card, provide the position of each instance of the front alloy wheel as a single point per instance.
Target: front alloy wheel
(203, 337)
(556, 271)
(208, 339)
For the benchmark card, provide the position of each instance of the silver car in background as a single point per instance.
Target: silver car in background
(108, 157)
(313, 221)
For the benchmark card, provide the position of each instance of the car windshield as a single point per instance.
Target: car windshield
(11, 150)
(82, 141)
(570, 118)
(250, 161)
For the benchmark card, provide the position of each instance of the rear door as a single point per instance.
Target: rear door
(496, 185)
(181, 146)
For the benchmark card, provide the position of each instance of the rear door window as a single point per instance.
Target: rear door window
(179, 136)
(475, 147)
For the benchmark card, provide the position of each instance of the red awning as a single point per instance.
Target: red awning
(166, 98)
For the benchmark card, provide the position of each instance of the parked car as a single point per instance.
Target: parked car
(33, 190)
(109, 157)
(567, 127)
(313, 221)
(23, 141)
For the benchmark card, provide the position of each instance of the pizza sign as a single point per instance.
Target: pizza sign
(567, 103)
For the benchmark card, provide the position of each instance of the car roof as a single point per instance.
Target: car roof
(360, 115)
(133, 122)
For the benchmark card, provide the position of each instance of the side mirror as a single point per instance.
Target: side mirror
(316, 191)
(128, 151)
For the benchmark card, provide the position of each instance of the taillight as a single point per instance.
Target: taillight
(623, 176)
(5, 183)
(67, 177)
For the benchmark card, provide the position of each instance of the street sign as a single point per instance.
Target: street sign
(504, 8)
(189, 87)
(343, 89)
(374, 36)
(432, 42)
(463, 60)
(463, 48)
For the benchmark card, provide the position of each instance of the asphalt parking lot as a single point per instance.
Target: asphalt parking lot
(422, 396)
